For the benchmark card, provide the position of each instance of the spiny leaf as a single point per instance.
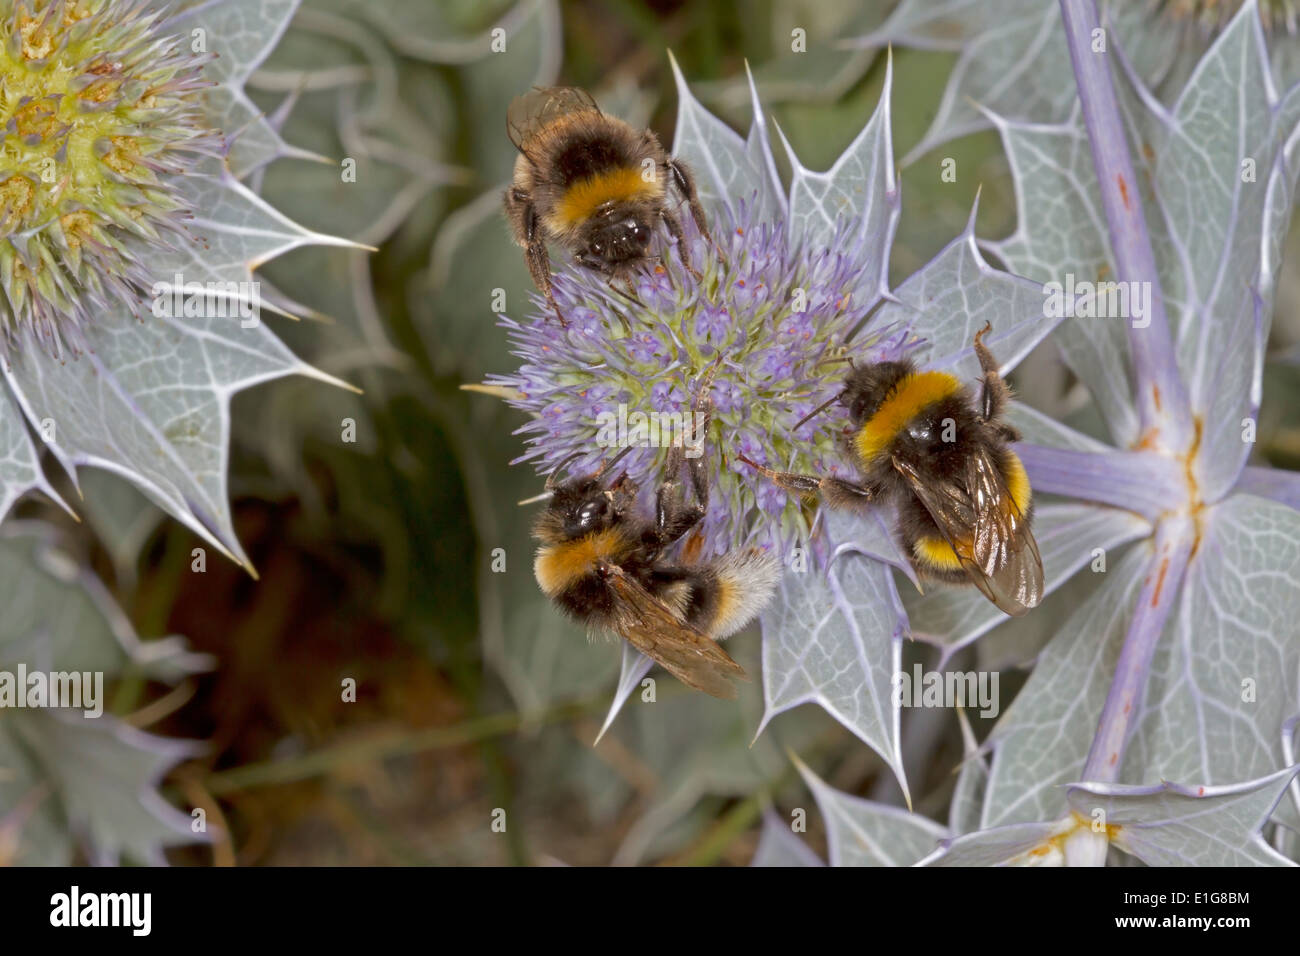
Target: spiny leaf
(947, 301)
(1227, 674)
(1012, 54)
(835, 638)
(242, 33)
(20, 469)
(1171, 825)
(1040, 744)
(778, 846)
(65, 777)
(862, 187)
(863, 833)
(1068, 536)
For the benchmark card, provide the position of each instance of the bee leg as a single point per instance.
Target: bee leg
(628, 292)
(837, 492)
(994, 394)
(685, 184)
(539, 263)
(701, 418)
(674, 516)
(675, 228)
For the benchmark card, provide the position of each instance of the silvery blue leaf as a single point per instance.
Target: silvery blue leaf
(864, 833)
(778, 846)
(1226, 676)
(70, 778)
(241, 33)
(1068, 536)
(834, 638)
(1042, 740)
(1172, 825)
(951, 298)
(861, 186)
(1012, 54)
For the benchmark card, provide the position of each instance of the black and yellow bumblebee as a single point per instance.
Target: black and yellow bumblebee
(608, 567)
(921, 440)
(591, 183)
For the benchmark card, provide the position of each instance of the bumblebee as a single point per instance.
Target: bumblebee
(923, 442)
(592, 184)
(608, 567)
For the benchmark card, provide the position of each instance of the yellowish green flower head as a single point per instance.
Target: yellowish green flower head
(99, 115)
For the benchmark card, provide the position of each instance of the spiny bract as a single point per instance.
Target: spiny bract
(98, 114)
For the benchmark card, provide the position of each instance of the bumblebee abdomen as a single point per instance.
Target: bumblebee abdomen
(928, 548)
(741, 583)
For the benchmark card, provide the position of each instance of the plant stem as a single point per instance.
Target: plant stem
(320, 762)
(1173, 547)
(1140, 481)
(1162, 402)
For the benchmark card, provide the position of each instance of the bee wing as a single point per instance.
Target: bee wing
(987, 532)
(656, 631)
(541, 106)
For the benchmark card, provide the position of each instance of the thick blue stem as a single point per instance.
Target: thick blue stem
(1163, 406)
(1141, 481)
(1173, 548)
(1272, 483)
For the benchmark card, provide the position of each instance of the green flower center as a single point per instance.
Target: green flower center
(96, 113)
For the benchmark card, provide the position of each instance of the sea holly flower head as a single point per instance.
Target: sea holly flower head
(1193, 547)
(128, 243)
(809, 244)
(768, 316)
(99, 112)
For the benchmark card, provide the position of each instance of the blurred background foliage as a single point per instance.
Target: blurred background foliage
(374, 555)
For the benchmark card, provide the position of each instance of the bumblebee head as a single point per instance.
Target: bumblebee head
(585, 504)
(617, 234)
(577, 508)
(868, 386)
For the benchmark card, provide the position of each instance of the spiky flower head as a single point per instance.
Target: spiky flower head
(99, 114)
(777, 320)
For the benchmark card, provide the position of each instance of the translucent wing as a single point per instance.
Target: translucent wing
(540, 107)
(986, 530)
(652, 628)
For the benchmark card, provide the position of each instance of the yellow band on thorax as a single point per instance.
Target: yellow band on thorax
(913, 394)
(559, 565)
(587, 195)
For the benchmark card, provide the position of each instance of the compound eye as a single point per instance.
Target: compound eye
(640, 233)
(597, 248)
(592, 512)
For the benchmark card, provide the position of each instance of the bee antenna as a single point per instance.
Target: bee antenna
(707, 382)
(550, 479)
(817, 411)
(606, 466)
